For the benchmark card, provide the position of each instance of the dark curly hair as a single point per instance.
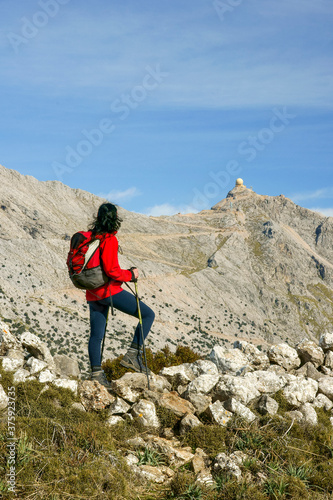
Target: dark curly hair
(106, 220)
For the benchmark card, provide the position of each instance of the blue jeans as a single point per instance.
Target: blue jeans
(124, 302)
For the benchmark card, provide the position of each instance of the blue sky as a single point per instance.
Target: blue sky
(160, 106)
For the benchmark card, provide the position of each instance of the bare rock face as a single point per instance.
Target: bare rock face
(203, 384)
(240, 388)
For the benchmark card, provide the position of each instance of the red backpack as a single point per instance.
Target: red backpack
(82, 250)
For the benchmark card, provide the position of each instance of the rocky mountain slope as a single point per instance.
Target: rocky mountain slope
(254, 267)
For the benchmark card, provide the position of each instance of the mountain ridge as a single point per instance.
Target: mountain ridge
(254, 267)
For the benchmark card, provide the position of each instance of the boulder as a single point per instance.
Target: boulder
(119, 407)
(295, 415)
(309, 415)
(285, 356)
(308, 370)
(178, 375)
(66, 384)
(300, 390)
(35, 365)
(205, 478)
(20, 375)
(114, 420)
(12, 364)
(309, 351)
(203, 384)
(37, 348)
(267, 405)
(188, 422)
(239, 409)
(218, 414)
(66, 365)
(257, 359)
(326, 387)
(46, 376)
(199, 401)
(266, 382)
(94, 396)
(145, 411)
(204, 367)
(326, 342)
(322, 401)
(241, 388)
(328, 361)
(228, 360)
(176, 404)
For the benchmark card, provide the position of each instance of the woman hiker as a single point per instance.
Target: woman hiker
(105, 227)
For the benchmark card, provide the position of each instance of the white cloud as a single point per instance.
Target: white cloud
(120, 196)
(328, 212)
(318, 194)
(168, 209)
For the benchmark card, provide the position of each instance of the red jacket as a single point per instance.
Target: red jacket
(108, 257)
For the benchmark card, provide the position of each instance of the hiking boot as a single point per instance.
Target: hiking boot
(142, 361)
(100, 377)
(133, 360)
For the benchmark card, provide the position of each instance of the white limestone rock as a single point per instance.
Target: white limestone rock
(188, 422)
(35, 365)
(326, 342)
(322, 401)
(241, 388)
(7, 339)
(228, 360)
(20, 375)
(119, 407)
(37, 348)
(257, 359)
(203, 384)
(66, 365)
(267, 405)
(12, 364)
(309, 351)
(46, 376)
(328, 361)
(218, 414)
(180, 375)
(114, 420)
(309, 414)
(300, 390)
(3, 398)
(285, 356)
(66, 384)
(204, 367)
(266, 382)
(326, 387)
(239, 409)
(145, 411)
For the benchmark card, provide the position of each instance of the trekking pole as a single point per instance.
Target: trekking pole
(141, 327)
(106, 324)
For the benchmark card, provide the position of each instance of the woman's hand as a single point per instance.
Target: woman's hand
(135, 272)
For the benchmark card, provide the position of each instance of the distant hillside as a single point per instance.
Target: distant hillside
(253, 267)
